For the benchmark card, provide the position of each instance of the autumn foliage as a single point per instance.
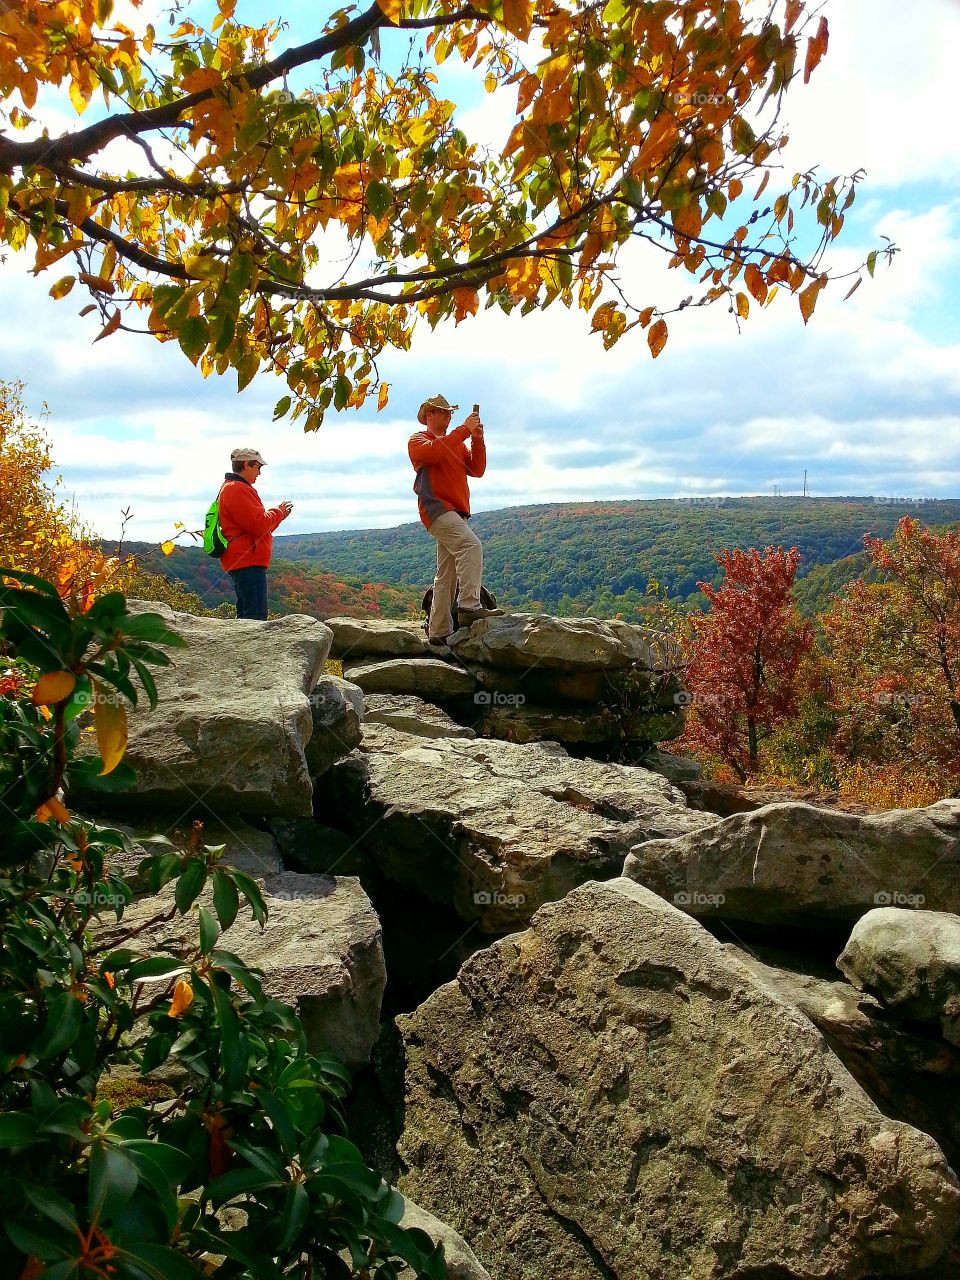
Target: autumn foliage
(743, 657)
(635, 119)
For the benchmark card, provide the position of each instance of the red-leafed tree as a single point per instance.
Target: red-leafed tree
(894, 653)
(743, 656)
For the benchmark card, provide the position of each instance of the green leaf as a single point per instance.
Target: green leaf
(152, 628)
(113, 1180)
(84, 775)
(64, 1023)
(226, 900)
(193, 337)
(872, 261)
(251, 892)
(190, 885)
(296, 1210)
(52, 1205)
(209, 931)
(282, 408)
(240, 1182)
(17, 1129)
(155, 967)
(31, 579)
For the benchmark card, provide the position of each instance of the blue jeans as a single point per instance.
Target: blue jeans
(250, 585)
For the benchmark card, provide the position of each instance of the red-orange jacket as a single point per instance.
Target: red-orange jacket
(443, 464)
(247, 526)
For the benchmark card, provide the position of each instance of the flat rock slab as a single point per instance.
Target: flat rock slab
(410, 714)
(430, 676)
(320, 951)
(611, 1096)
(234, 720)
(909, 960)
(520, 640)
(355, 638)
(791, 864)
(494, 828)
(245, 847)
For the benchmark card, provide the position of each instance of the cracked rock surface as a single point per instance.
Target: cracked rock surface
(610, 1095)
(495, 829)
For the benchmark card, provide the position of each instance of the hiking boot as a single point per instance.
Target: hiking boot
(439, 642)
(466, 617)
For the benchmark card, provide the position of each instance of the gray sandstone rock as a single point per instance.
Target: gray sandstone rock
(611, 1096)
(320, 951)
(462, 1263)
(909, 960)
(231, 730)
(356, 638)
(245, 847)
(430, 676)
(493, 828)
(337, 710)
(795, 863)
(522, 640)
(410, 714)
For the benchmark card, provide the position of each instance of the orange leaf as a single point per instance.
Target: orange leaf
(688, 221)
(808, 299)
(182, 998)
(645, 316)
(518, 17)
(853, 288)
(763, 185)
(466, 301)
(110, 718)
(794, 10)
(54, 687)
(735, 188)
(816, 48)
(753, 278)
(657, 338)
(99, 284)
(52, 808)
(384, 396)
(391, 8)
(112, 325)
(525, 94)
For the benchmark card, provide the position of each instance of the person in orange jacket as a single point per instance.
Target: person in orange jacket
(443, 463)
(248, 529)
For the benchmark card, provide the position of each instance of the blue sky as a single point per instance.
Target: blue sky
(866, 398)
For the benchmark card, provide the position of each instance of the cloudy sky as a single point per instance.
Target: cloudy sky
(866, 399)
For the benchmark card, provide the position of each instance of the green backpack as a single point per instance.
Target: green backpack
(214, 543)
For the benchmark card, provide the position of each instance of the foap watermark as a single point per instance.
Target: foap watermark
(497, 898)
(694, 898)
(898, 699)
(494, 698)
(698, 98)
(701, 500)
(99, 898)
(903, 500)
(896, 898)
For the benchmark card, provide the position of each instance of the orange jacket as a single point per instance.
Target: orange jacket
(247, 526)
(443, 464)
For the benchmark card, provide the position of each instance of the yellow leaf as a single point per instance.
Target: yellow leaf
(517, 17)
(110, 717)
(391, 8)
(168, 547)
(182, 998)
(112, 325)
(743, 305)
(657, 338)
(735, 188)
(466, 301)
(63, 287)
(78, 97)
(384, 396)
(54, 687)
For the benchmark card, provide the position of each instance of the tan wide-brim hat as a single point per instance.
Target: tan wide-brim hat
(435, 402)
(247, 455)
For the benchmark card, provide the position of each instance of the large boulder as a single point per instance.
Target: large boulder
(413, 715)
(611, 1096)
(337, 710)
(910, 960)
(911, 1075)
(234, 720)
(494, 828)
(244, 846)
(430, 676)
(320, 951)
(355, 638)
(793, 864)
(522, 640)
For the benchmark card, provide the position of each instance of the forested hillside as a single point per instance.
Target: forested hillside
(572, 558)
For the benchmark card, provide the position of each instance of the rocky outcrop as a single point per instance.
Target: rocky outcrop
(795, 864)
(244, 846)
(231, 731)
(519, 641)
(356, 638)
(410, 714)
(462, 1263)
(611, 1096)
(909, 960)
(320, 951)
(496, 829)
(911, 1075)
(433, 676)
(337, 711)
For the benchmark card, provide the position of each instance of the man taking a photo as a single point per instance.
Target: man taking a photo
(248, 529)
(442, 463)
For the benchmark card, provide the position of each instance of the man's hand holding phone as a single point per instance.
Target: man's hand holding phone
(286, 508)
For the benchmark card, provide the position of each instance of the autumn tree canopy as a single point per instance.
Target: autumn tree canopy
(202, 198)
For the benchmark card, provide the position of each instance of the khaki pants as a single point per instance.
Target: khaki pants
(459, 555)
